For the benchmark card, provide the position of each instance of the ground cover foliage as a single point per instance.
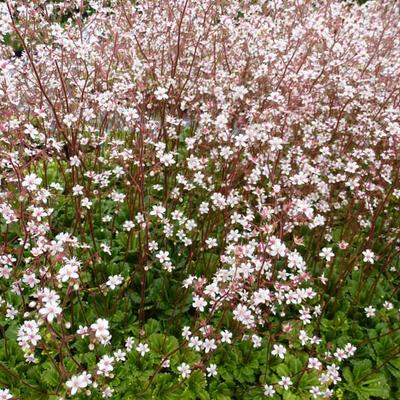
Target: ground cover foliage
(199, 200)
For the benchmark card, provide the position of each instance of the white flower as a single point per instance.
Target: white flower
(120, 355)
(50, 311)
(305, 315)
(163, 256)
(327, 253)
(117, 197)
(333, 373)
(285, 382)
(369, 256)
(11, 312)
(211, 242)
(239, 92)
(269, 390)
(129, 343)
(204, 208)
(186, 332)
(314, 363)
(195, 343)
(107, 218)
(106, 248)
(184, 370)
(86, 379)
(226, 336)
(388, 305)
(209, 345)
(370, 311)
(5, 394)
(275, 143)
(114, 281)
(28, 334)
(199, 303)
(166, 159)
(74, 384)
(350, 349)
(107, 392)
(100, 328)
(77, 190)
(256, 341)
(276, 247)
(279, 351)
(161, 93)
(158, 211)
(128, 225)
(74, 161)
(212, 370)
(340, 354)
(83, 331)
(67, 272)
(315, 391)
(79, 382)
(242, 314)
(69, 119)
(105, 365)
(142, 348)
(86, 203)
(31, 182)
(30, 279)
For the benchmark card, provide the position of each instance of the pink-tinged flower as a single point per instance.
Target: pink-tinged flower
(31, 182)
(184, 370)
(68, 272)
(370, 311)
(120, 355)
(285, 382)
(212, 370)
(114, 281)
(28, 335)
(209, 345)
(195, 343)
(279, 351)
(142, 348)
(369, 256)
(199, 303)
(5, 394)
(77, 382)
(186, 332)
(161, 93)
(74, 384)
(105, 366)
(269, 390)
(50, 311)
(314, 363)
(327, 253)
(107, 392)
(242, 314)
(315, 392)
(101, 330)
(276, 247)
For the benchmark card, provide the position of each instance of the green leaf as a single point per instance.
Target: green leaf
(11, 332)
(366, 385)
(287, 395)
(361, 368)
(282, 370)
(295, 365)
(393, 367)
(50, 376)
(152, 326)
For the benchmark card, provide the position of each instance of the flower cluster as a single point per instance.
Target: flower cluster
(223, 168)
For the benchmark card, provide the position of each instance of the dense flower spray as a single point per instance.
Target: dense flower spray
(218, 144)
